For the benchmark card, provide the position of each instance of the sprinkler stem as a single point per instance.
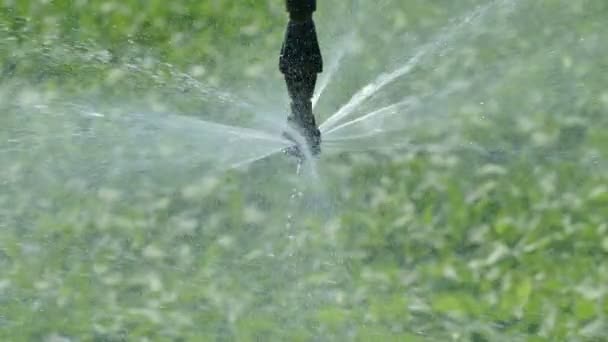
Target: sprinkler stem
(300, 61)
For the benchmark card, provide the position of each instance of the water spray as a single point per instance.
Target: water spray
(300, 61)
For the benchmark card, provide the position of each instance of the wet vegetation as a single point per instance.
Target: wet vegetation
(476, 212)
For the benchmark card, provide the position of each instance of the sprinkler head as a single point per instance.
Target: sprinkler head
(300, 62)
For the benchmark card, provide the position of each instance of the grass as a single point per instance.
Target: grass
(490, 226)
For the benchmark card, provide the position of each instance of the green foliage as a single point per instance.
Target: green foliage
(491, 226)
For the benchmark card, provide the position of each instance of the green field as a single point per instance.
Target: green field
(476, 211)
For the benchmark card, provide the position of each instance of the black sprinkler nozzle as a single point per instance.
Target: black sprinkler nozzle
(300, 62)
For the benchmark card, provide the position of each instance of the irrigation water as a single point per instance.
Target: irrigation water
(463, 144)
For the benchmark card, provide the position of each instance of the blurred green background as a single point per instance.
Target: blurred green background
(478, 214)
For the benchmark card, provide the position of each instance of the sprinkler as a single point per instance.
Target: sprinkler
(300, 62)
